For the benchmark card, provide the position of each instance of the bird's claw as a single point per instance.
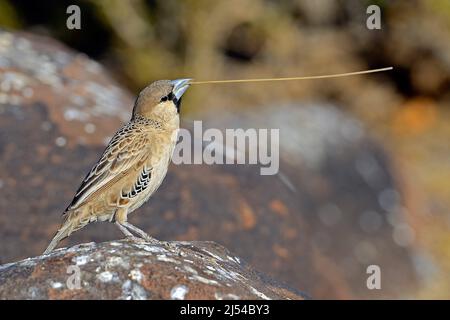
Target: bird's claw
(135, 239)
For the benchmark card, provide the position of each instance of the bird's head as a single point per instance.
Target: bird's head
(161, 100)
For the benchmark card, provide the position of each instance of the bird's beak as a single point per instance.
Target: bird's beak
(180, 86)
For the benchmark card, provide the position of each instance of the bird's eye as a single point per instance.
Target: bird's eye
(169, 97)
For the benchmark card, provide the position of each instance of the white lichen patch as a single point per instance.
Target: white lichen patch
(142, 253)
(213, 255)
(259, 294)
(89, 128)
(97, 256)
(28, 92)
(60, 141)
(227, 274)
(56, 285)
(149, 248)
(178, 292)
(80, 260)
(14, 82)
(233, 259)
(106, 100)
(211, 273)
(6, 266)
(77, 100)
(29, 262)
(112, 262)
(106, 276)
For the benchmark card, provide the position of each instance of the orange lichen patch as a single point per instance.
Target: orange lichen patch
(169, 215)
(200, 292)
(276, 264)
(25, 170)
(68, 294)
(336, 283)
(288, 294)
(55, 159)
(228, 226)
(36, 181)
(185, 195)
(228, 180)
(248, 218)
(50, 228)
(54, 266)
(289, 233)
(11, 182)
(415, 116)
(38, 272)
(152, 280)
(280, 251)
(279, 207)
(42, 151)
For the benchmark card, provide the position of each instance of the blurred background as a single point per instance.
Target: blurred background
(365, 160)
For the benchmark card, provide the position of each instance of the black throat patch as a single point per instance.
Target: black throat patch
(177, 103)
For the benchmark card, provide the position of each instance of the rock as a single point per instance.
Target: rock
(139, 271)
(336, 209)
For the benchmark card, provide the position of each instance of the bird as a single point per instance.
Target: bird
(132, 166)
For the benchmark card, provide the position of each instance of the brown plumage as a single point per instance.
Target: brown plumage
(132, 166)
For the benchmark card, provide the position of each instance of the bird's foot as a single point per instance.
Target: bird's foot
(141, 233)
(151, 240)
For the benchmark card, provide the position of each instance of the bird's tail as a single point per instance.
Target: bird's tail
(65, 230)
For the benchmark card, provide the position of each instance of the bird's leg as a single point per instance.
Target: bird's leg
(140, 232)
(127, 233)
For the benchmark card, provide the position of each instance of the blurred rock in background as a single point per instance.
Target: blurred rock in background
(403, 113)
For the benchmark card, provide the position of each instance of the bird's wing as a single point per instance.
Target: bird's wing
(128, 149)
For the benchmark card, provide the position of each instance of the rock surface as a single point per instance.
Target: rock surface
(339, 210)
(139, 271)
